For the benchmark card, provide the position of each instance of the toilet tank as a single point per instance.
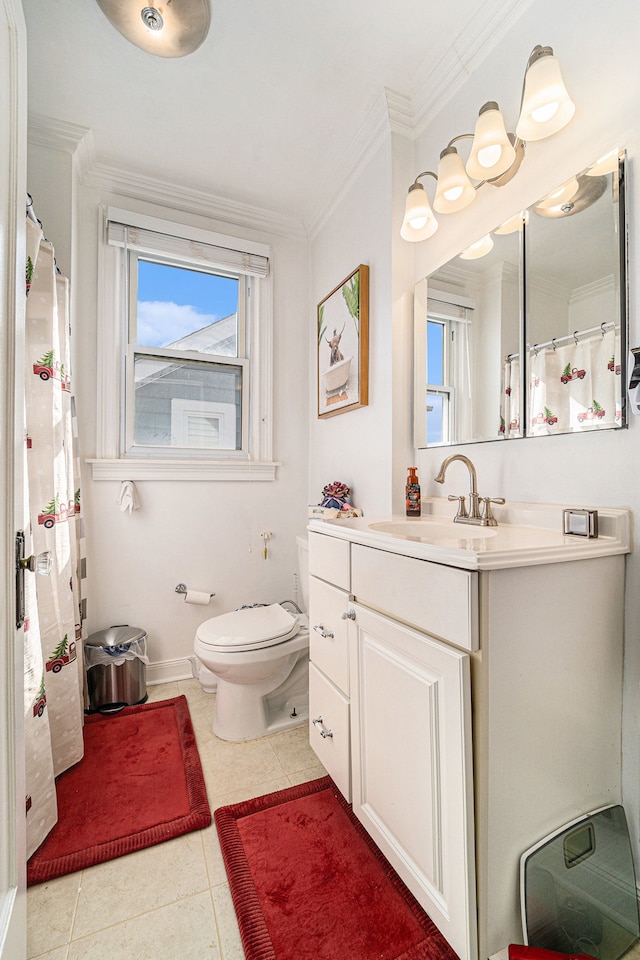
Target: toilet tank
(303, 570)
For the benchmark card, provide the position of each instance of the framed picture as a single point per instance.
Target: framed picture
(343, 346)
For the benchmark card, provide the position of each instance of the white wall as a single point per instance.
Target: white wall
(355, 446)
(597, 45)
(204, 534)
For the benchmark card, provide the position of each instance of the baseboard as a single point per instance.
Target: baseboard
(168, 671)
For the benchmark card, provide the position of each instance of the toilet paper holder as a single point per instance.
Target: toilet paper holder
(182, 588)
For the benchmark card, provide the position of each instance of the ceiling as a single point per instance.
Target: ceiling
(267, 111)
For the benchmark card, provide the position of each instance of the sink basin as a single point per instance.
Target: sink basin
(433, 531)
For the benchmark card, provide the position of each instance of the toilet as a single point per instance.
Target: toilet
(259, 658)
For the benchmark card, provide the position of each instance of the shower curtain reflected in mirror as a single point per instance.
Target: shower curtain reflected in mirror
(55, 604)
(575, 386)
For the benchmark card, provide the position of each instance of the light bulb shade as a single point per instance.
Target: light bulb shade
(170, 30)
(478, 249)
(455, 190)
(559, 196)
(606, 164)
(492, 152)
(419, 222)
(546, 104)
(513, 224)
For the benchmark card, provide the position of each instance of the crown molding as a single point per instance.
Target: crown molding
(65, 137)
(133, 185)
(391, 113)
(78, 142)
(472, 45)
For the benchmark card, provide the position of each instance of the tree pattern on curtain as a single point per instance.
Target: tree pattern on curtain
(55, 604)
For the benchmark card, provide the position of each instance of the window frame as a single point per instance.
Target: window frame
(113, 459)
(134, 349)
(444, 390)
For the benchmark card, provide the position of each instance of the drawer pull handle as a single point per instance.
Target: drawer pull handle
(319, 628)
(348, 615)
(318, 724)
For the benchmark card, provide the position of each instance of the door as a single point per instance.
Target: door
(412, 785)
(13, 109)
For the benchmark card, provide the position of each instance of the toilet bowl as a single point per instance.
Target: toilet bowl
(259, 656)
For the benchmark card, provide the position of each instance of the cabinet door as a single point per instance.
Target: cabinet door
(329, 729)
(412, 782)
(328, 636)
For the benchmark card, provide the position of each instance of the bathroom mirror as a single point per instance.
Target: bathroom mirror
(477, 316)
(576, 304)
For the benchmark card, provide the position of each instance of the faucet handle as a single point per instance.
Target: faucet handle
(462, 507)
(488, 518)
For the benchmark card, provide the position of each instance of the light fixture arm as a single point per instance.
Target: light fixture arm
(425, 173)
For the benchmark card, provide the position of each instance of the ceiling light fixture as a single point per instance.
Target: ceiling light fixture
(495, 155)
(172, 28)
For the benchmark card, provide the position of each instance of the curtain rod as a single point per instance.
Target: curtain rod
(555, 341)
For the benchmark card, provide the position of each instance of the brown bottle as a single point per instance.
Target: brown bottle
(413, 493)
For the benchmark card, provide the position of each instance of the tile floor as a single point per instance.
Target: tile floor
(170, 901)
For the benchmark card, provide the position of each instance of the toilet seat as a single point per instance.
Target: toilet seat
(249, 629)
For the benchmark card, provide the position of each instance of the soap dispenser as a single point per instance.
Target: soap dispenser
(413, 493)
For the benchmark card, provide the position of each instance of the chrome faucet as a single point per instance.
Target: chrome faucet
(474, 515)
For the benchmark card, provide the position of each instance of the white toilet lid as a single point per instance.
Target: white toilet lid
(249, 629)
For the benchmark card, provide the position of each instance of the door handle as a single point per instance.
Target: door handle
(42, 563)
(319, 628)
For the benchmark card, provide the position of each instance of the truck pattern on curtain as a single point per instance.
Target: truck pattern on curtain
(55, 604)
(576, 386)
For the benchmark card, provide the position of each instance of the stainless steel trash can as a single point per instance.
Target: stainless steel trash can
(116, 663)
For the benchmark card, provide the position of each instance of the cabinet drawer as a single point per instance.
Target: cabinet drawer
(329, 559)
(328, 644)
(329, 729)
(440, 600)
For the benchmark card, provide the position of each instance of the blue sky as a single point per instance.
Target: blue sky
(173, 302)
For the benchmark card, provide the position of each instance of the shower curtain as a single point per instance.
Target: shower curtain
(55, 602)
(576, 386)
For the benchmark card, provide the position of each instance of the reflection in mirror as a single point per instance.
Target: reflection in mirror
(468, 319)
(576, 299)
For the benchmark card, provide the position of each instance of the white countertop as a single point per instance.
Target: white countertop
(527, 534)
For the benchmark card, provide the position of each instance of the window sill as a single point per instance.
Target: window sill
(181, 470)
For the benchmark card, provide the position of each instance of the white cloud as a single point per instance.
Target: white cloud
(161, 322)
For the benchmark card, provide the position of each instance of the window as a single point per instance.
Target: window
(439, 391)
(448, 414)
(185, 329)
(186, 364)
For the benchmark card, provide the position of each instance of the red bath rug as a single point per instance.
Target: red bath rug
(308, 883)
(140, 782)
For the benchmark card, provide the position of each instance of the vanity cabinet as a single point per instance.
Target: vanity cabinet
(329, 707)
(482, 709)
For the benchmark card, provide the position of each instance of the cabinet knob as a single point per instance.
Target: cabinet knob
(319, 725)
(348, 615)
(319, 628)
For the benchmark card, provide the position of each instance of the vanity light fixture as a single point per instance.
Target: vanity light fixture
(168, 28)
(495, 155)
